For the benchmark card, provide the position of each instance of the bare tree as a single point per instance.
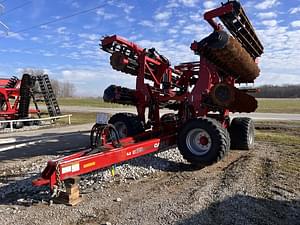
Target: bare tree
(63, 89)
(55, 87)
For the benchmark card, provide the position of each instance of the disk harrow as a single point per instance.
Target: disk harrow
(16, 95)
(120, 95)
(201, 93)
(15, 98)
(12, 82)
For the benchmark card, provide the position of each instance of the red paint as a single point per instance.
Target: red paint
(188, 84)
(11, 97)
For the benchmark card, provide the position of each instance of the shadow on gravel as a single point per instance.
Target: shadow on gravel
(248, 210)
(62, 145)
(21, 192)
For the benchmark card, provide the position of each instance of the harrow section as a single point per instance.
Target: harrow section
(229, 55)
(16, 95)
(234, 54)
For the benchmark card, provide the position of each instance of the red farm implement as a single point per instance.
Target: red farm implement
(15, 99)
(16, 95)
(201, 94)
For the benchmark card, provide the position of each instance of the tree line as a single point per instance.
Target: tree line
(66, 89)
(274, 91)
(63, 89)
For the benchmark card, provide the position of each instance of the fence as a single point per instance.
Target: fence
(11, 122)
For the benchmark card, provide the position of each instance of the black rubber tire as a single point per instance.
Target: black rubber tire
(37, 123)
(29, 123)
(24, 101)
(242, 133)
(2, 125)
(131, 121)
(220, 141)
(168, 118)
(18, 125)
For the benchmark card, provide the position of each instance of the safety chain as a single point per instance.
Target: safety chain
(59, 184)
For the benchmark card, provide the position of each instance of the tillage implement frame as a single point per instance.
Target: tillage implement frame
(201, 94)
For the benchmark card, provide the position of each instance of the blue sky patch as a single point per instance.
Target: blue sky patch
(69, 48)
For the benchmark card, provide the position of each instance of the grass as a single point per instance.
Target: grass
(278, 137)
(264, 105)
(274, 123)
(79, 118)
(285, 132)
(279, 132)
(286, 139)
(278, 105)
(88, 102)
(287, 144)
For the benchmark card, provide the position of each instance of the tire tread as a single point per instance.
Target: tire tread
(133, 123)
(240, 129)
(222, 137)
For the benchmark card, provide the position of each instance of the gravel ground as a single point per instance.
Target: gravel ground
(255, 187)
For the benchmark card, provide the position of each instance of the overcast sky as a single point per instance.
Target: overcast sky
(68, 49)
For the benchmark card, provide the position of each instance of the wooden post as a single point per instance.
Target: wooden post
(71, 196)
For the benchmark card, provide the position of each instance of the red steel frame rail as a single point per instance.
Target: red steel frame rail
(210, 15)
(3, 82)
(243, 30)
(156, 69)
(82, 163)
(10, 110)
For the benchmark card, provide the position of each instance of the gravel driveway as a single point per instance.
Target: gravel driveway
(254, 187)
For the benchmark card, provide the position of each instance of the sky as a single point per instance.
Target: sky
(68, 50)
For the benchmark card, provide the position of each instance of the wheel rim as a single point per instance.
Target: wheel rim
(121, 128)
(251, 137)
(198, 141)
(2, 125)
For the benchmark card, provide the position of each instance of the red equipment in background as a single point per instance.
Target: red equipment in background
(9, 91)
(15, 99)
(9, 88)
(16, 95)
(3, 82)
(201, 93)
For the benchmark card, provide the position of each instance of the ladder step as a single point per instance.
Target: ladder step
(39, 100)
(48, 94)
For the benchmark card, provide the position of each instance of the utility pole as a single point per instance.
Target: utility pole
(1, 23)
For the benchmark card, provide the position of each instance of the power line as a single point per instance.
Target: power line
(17, 7)
(21, 6)
(61, 18)
(1, 23)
